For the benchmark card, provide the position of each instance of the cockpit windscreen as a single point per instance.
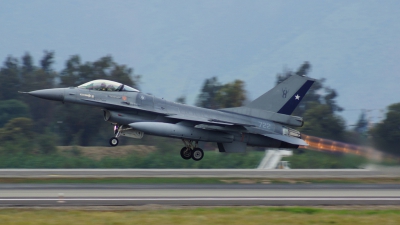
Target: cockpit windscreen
(106, 85)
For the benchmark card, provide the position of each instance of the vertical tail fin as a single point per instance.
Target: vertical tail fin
(284, 97)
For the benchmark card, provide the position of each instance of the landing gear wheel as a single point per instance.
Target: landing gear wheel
(197, 154)
(114, 141)
(186, 153)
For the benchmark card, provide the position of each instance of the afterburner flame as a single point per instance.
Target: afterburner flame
(321, 144)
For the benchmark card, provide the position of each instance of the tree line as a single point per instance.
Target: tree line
(45, 124)
(319, 109)
(41, 125)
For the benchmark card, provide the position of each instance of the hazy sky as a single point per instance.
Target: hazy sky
(175, 45)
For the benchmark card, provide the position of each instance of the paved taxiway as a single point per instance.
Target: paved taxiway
(239, 173)
(210, 195)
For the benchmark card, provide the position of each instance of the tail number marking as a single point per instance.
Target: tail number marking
(264, 125)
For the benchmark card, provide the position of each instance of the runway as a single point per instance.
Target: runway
(234, 173)
(198, 195)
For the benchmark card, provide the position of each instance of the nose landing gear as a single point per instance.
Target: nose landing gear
(117, 131)
(114, 141)
(191, 151)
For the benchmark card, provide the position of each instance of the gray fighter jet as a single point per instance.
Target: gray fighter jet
(263, 122)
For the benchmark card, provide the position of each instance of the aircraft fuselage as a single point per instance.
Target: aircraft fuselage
(134, 113)
(110, 101)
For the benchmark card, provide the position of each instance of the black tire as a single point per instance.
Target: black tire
(186, 153)
(114, 141)
(197, 154)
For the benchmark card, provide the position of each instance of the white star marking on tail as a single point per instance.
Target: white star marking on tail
(297, 97)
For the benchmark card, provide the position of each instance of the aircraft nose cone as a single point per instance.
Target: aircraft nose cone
(55, 94)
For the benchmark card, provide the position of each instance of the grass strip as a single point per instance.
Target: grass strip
(201, 216)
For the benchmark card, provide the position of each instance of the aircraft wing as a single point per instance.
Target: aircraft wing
(280, 137)
(234, 123)
(168, 115)
(207, 121)
(288, 139)
(122, 106)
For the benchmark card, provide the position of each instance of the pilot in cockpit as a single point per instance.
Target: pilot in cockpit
(106, 85)
(103, 87)
(110, 88)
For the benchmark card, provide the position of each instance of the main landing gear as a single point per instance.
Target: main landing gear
(191, 151)
(117, 131)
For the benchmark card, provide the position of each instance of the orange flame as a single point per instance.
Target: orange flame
(321, 144)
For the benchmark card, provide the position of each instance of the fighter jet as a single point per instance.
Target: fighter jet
(263, 122)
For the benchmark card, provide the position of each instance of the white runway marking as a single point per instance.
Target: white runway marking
(203, 199)
(236, 173)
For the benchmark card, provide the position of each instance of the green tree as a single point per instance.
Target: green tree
(36, 78)
(322, 122)
(304, 69)
(80, 124)
(27, 63)
(318, 93)
(214, 95)
(231, 95)
(208, 94)
(330, 100)
(17, 128)
(22, 75)
(18, 136)
(46, 143)
(72, 122)
(9, 78)
(47, 61)
(181, 100)
(386, 135)
(361, 126)
(76, 73)
(10, 109)
(359, 134)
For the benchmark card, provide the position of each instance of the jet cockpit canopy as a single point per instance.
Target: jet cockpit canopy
(106, 85)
